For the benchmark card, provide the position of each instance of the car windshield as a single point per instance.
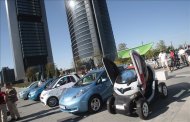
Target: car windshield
(47, 83)
(127, 76)
(32, 85)
(52, 83)
(88, 79)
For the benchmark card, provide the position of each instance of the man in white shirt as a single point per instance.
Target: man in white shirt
(182, 54)
(163, 59)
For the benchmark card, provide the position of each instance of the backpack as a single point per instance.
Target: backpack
(12, 95)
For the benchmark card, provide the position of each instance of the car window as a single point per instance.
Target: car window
(127, 76)
(53, 83)
(63, 81)
(88, 79)
(71, 79)
(49, 83)
(104, 75)
(32, 85)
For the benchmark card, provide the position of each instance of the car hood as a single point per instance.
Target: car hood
(36, 89)
(71, 92)
(25, 90)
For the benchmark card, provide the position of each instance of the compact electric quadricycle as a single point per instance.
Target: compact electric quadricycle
(134, 88)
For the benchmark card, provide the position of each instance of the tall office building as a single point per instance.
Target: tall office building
(90, 31)
(29, 35)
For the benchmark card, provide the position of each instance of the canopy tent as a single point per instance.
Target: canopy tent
(143, 49)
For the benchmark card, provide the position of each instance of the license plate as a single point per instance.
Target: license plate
(63, 107)
(121, 107)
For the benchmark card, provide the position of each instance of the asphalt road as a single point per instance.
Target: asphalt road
(175, 108)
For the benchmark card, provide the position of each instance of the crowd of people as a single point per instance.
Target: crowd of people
(174, 59)
(8, 106)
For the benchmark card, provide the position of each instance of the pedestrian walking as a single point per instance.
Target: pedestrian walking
(11, 102)
(163, 59)
(183, 56)
(3, 107)
(172, 57)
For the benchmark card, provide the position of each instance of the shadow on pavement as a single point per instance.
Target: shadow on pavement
(176, 93)
(80, 116)
(159, 107)
(29, 104)
(40, 114)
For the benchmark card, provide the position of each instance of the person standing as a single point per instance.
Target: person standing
(182, 55)
(3, 107)
(187, 52)
(172, 57)
(11, 101)
(163, 59)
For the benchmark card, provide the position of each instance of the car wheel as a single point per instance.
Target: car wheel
(52, 102)
(94, 104)
(110, 105)
(142, 109)
(163, 90)
(26, 98)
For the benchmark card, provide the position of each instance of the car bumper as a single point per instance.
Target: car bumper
(123, 104)
(43, 100)
(22, 96)
(32, 97)
(74, 106)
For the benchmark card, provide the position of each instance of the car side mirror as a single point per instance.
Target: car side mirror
(58, 85)
(104, 79)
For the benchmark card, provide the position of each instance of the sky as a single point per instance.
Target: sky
(133, 22)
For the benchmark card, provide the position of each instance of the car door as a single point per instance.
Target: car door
(104, 86)
(140, 68)
(111, 70)
(71, 82)
(60, 86)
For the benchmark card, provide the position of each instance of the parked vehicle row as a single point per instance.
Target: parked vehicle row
(125, 90)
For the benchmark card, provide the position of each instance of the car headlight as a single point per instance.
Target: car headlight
(81, 92)
(22, 92)
(32, 93)
(44, 94)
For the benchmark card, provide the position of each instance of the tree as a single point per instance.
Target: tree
(50, 70)
(31, 73)
(149, 54)
(119, 61)
(180, 46)
(122, 46)
(57, 72)
(161, 45)
(169, 48)
(152, 53)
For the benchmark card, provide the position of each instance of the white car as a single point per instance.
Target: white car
(50, 96)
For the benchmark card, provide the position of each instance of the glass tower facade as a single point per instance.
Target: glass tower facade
(31, 30)
(29, 33)
(90, 31)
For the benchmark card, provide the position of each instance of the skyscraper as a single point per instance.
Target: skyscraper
(90, 31)
(29, 35)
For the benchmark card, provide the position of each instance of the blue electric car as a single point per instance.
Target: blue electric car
(35, 93)
(88, 94)
(24, 93)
